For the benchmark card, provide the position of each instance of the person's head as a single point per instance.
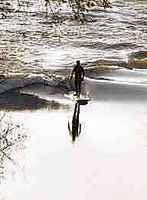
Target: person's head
(78, 62)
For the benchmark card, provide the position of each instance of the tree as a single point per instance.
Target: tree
(10, 137)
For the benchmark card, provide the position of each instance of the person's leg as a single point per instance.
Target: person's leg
(76, 86)
(79, 87)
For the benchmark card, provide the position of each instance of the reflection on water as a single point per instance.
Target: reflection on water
(75, 127)
(109, 161)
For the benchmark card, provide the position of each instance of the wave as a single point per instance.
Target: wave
(17, 101)
(9, 84)
(115, 91)
(95, 70)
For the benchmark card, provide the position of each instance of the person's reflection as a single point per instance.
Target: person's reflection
(75, 128)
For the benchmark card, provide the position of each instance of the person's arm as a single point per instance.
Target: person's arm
(83, 73)
(71, 76)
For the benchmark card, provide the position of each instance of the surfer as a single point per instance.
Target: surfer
(79, 74)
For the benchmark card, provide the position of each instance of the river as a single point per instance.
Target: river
(108, 159)
(30, 40)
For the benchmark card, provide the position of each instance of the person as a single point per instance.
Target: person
(79, 74)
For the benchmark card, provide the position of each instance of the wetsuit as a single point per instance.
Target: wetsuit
(79, 77)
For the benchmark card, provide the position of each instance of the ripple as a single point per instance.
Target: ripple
(32, 41)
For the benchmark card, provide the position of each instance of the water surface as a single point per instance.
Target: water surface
(30, 41)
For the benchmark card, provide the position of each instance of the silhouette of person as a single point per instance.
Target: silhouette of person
(79, 74)
(75, 129)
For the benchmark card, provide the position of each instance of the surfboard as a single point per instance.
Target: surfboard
(82, 99)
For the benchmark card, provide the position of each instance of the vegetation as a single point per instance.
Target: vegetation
(78, 8)
(10, 137)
